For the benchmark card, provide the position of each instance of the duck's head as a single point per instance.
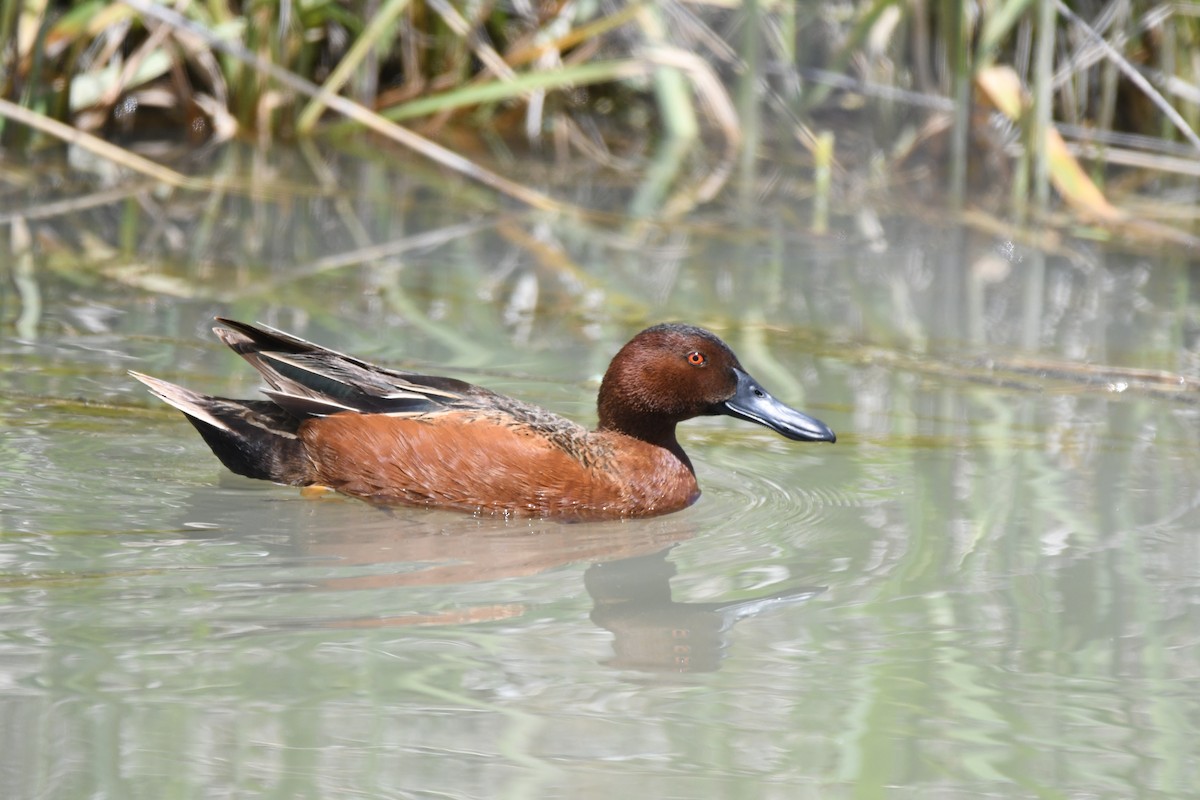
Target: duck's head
(673, 372)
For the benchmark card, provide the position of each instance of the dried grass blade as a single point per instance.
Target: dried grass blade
(575, 36)
(70, 205)
(1135, 77)
(482, 50)
(97, 146)
(1004, 90)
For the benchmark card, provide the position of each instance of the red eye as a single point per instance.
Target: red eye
(697, 359)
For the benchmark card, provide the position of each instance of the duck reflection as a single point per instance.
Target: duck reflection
(654, 633)
(628, 581)
(628, 578)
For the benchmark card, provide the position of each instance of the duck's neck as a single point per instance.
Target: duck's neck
(660, 433)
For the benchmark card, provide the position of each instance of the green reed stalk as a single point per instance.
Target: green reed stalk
(377, 28)
(1042, 104)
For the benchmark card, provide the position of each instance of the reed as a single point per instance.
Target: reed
(650, 80)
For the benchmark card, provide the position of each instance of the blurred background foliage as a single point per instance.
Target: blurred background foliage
(1015, 102)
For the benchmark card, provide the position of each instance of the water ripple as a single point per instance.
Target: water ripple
(767, 489)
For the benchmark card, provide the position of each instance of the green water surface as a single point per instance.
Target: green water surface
(986, 588)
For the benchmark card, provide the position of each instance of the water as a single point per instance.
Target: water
(985, 588)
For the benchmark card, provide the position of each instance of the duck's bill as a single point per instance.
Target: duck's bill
(752, 402)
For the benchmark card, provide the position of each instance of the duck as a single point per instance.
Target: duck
(401, 438)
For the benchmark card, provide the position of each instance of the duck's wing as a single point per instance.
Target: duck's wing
(307, 379)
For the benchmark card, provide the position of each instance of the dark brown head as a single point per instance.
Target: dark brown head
(671, 372)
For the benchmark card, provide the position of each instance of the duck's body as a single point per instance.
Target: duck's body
(392, 436)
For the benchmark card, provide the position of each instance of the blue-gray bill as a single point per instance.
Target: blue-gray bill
(754, 403)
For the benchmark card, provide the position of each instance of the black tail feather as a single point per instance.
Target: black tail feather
(255, 438)
(246, 339)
